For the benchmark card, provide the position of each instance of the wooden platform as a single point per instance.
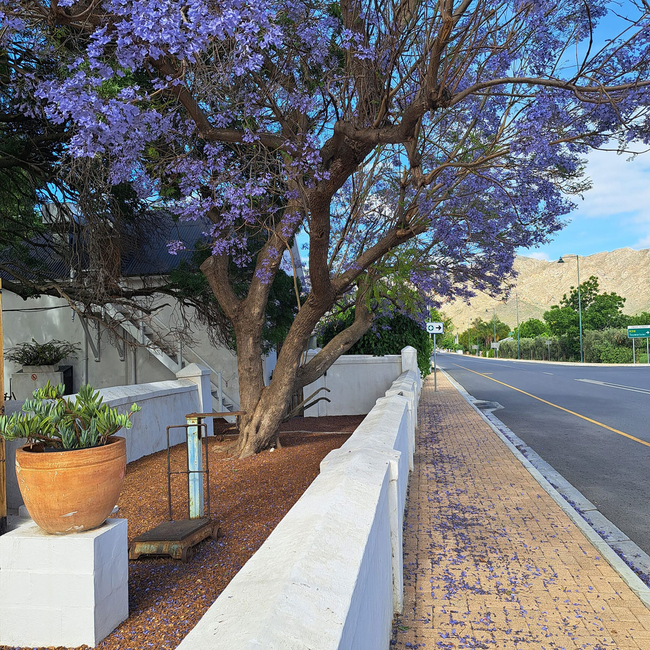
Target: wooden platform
(176, 539)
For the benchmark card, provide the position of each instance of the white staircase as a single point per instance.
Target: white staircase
(175, 360)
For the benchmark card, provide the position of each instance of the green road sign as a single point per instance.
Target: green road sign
(638, 331)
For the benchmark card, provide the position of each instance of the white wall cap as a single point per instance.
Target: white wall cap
(193, 370)
(295, 592)
(120, 395)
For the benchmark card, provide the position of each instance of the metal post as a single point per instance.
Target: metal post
(518, 348)
(3, 468)
(582, 354)
(633, 354)
(195, 468)
(220, 388)
(435, 369)
(647, 350)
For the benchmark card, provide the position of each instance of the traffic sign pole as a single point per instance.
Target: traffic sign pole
(435, 328)
(435, 368)
(639, 332)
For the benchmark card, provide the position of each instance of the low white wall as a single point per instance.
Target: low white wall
(330, 575)
(357, 381)
(163, 403)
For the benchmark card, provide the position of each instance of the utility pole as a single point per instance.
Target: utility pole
(494, 328)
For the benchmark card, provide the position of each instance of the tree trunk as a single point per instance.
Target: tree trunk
(265, 406)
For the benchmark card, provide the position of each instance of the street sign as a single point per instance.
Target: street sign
(494, 346)
(638, 331)
(434, 328)
(475, 347)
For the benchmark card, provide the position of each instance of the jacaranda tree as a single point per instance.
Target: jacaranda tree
(417, 143)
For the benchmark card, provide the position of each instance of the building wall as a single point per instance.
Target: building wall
(47, 318)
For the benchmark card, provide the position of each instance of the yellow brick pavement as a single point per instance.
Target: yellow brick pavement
(490, 560)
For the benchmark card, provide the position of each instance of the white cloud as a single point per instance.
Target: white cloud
(644, 242)
(620, 186)
(537, 255)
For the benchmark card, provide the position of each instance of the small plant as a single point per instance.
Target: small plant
(41, 354)
(65, 424)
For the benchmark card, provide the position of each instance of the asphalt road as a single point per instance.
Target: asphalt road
(610, 469)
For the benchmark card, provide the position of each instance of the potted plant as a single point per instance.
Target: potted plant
(71, 471)
(38, 357)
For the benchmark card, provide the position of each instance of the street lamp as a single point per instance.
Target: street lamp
(561, 261)
(518, 348)
(494, 326)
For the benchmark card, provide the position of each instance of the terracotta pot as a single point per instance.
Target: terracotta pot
(71, 491)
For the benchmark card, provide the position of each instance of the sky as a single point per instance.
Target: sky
(615, 213)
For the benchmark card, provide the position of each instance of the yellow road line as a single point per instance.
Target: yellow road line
(582, 417)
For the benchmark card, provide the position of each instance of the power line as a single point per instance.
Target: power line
(32, 309)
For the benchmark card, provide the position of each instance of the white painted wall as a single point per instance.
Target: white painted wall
(329, 577)
(47, 318)
(357, 381)
(63, 590)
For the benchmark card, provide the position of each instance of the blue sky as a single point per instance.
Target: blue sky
(615, 213)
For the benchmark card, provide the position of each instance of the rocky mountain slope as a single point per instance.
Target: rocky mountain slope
(540, 284)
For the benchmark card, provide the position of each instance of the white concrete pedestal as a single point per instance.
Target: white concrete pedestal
(62, 590)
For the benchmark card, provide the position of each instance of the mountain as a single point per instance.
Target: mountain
(540, 284)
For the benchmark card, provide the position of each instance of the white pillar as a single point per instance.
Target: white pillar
(200, 375)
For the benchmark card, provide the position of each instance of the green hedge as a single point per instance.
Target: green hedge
(388, 335)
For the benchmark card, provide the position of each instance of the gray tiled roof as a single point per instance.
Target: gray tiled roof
(147, 254)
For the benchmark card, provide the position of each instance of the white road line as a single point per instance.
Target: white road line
(548, 373)
(607, 384)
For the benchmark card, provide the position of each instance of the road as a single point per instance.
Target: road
(610, 466)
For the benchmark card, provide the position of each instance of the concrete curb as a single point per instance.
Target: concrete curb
(603, 535)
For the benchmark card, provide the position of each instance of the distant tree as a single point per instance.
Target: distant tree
(532, 328)
(642, 318)
(599, 311)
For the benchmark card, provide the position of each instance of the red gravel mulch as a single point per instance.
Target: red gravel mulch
(248, 498)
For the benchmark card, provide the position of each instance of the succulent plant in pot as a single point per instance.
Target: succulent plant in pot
(75, 486)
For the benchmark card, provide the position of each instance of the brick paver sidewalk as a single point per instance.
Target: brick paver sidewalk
(490, 560)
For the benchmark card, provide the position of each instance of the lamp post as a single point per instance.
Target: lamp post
(494, 327)
(518, 348)
(561, 261)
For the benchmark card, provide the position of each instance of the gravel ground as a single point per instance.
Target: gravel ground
(248, 499)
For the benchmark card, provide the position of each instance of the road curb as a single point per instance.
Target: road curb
(602, 533)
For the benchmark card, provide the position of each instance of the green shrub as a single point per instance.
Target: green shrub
(65, 424)
(610, 354)
(41, 354)
(388, 335)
